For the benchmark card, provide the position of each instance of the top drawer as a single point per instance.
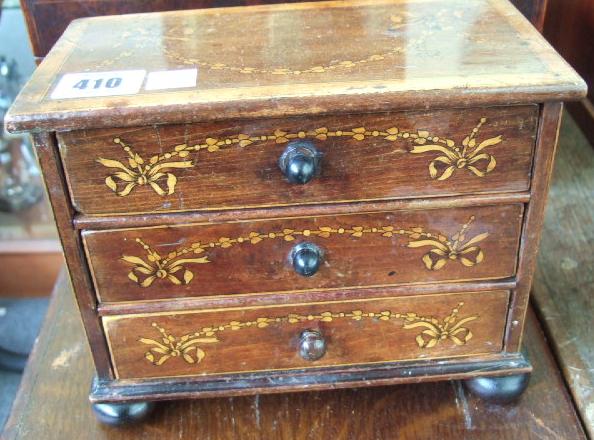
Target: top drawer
(363, 157)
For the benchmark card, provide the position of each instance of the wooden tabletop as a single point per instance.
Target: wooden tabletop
(52, 402)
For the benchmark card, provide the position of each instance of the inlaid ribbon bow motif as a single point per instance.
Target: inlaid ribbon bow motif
(435, 331)
(187, 347)
(455, 248)
(444, 249)
(160, 168)
(157, 267)
(469, 155)
(139, 173)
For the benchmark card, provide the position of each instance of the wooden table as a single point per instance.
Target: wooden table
(52, 402)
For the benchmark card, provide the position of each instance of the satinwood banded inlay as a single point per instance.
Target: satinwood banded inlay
(189, 346)
(159, 170)
(173, 266)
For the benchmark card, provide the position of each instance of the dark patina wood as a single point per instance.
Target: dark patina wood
(303, 69)
(385, 248)
(543, 165)
(274, 382)
(533, 10)
(47, 154)
(83, 222)
(569, 27)
(53, 402)
(364, 157)
(47, 19)
(230, 301)
(268, 338)
(445, 224)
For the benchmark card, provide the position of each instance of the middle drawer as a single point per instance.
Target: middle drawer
(264, 256)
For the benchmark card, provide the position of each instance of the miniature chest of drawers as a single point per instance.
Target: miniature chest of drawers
(298, 197)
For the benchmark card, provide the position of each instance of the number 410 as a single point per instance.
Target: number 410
(111, 83)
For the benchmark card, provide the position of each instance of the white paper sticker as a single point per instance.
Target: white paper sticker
(93, 84)
(171, 79)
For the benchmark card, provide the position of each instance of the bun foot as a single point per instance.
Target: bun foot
(118, 414)
(498, 389)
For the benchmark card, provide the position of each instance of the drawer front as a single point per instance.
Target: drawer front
(236, 165)
(373, 249)
(306, 335)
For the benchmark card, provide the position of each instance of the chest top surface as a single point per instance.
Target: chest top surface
(307, 58)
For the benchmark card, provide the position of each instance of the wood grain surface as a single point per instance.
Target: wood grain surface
(308, 58)
(365, 157)
(569, 27)
(385, 248)
(81, 222)
(563, 290)
(53, 403)
(57, 192)
(47, 19)
(333, 377)
(533, 10)
(548, 132)
(268, 338)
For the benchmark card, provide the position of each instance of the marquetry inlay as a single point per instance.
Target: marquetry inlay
(189, 346)
(158, 171)
(173, 266)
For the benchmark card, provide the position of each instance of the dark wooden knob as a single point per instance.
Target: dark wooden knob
(300, 162)
(306, 259)
(312, 345)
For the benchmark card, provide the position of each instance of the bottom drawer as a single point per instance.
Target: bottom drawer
(298, 336)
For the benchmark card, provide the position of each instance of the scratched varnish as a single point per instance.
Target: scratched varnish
(356, 199)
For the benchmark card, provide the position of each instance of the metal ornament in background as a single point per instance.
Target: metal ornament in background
(20, 179)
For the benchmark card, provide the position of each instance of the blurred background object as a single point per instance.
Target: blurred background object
(20, 180)
(20, 184)
(30, 254)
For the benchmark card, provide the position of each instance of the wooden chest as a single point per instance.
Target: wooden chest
(296, 197)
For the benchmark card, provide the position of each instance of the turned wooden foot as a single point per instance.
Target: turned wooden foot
(118, 414)
(499, 389)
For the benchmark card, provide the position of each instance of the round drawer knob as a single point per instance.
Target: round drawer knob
(312, 345)
(300, 162)
(306, 259)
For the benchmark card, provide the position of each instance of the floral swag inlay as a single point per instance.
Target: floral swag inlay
(189, 346)
(174, 266)
(159, 170)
